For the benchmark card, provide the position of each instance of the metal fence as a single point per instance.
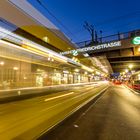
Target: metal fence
(115, 37)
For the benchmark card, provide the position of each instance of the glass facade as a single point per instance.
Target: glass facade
(20, 68)
(24, 63)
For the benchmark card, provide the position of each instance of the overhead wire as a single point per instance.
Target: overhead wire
(124, 17)
(109, 21)
(117, 18)
(51, 14)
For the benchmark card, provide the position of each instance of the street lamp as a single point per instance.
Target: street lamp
(86, 72)
(138, 49)
(126, 70)
(1, 63)
(130, 66)
(76, 70)
(15, 68)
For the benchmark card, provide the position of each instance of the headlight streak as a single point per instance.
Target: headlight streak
(35, 48)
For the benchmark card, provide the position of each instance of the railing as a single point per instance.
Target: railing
(116, 37)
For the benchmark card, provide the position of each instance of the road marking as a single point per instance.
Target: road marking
(65, 95)
(36, 115)
(85, 112)
(58, 96)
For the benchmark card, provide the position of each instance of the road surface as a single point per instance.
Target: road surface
(28, 119)
(115, 116)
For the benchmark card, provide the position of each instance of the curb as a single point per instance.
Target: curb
(137, 93)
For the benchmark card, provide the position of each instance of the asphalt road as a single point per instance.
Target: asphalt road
(114, 116)
(27, 119)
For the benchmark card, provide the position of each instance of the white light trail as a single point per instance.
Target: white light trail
(58, 96)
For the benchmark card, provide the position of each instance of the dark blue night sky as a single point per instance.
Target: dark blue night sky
(110, 16)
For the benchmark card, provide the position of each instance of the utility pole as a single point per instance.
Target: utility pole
(101, 36)
(96, 37)
(90, 29)
(118, 35)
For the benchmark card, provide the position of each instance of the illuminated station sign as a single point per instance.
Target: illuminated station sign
(93, 48)
(136, 40)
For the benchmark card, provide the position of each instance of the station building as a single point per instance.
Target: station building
(29, 50)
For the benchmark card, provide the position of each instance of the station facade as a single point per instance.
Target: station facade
(30, 47)
(26, 64)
